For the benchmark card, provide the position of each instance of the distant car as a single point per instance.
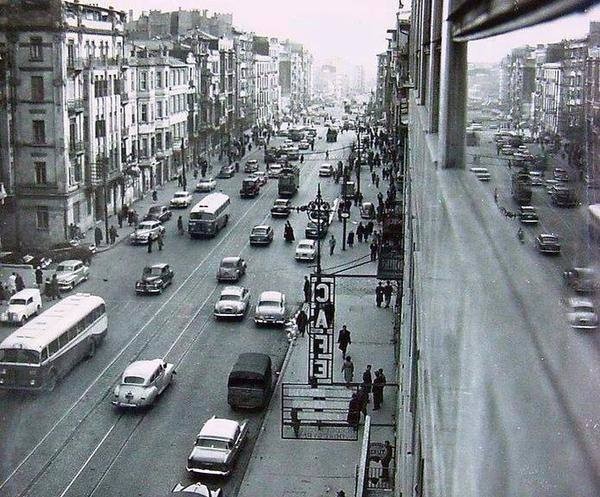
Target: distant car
(21, 306)
(582, 279)
(304, 145)
(261, 235)
(145, 231)
(233, 302)
(195, 490)
(582, 314)
(313, 231)
(306, 250)
(564, 196)
(326, 170)
(536, 178)
(282, 132)
(142, 383)
(560, 174)
(528, 215)
(181, 200)
(206, 185)
(217, 447)
(281, 207)
(548, 243)
(231, 269)
(274, 170)
(227, 171)
(270, 308)
(159, 213)
(262, 176)
(482, 173)
(154, 279)
(71, 273)
(251, 166)
(367, 210)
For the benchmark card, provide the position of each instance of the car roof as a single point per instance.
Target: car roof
(261, 226)
(231, 259)
(527, 208)
(182, 192)
(252, 364)
(142, 368)
(26, 292)
(158, 265)
(580, 302)
(548, 235)
(270, 295)
(70, 262)
(219, 427)
(149, 221)
(232, 290)
(307, 240)
(210, 178)
(286, 200)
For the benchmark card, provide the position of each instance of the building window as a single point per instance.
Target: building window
(143, 81)
(100, 128)
(40, 173)
(35, 49)
(144, 113)
(39, 132)
(158, 79)
(159, 109)
(88, 202)
(77, 212)
(42, 217)
(159, 141)
(37, 88)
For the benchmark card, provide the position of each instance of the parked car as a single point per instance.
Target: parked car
(206, 185)
(304, 145)
(281, 207)
(548, 243)
(71, 273)
(306, 250)
(482, 173)
(21, 306)
(313, 231)
(367, 210)
(233, 302)
(217, 446)
(261, 235)
(159, 213)
(582, 314)
(231, 269)
(582, 279)
(146, 231)
(251, 166)
(564, 196)
(270, 308)
(326, 170)
(155, 279)
(142, 383)
(195, 490)
(262, 176)
(528, 215)
(181, 200)
(227, 171)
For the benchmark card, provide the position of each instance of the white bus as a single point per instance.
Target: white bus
(209, 215)
(46, 348)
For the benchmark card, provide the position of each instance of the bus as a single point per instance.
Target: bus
(209, 215)
(46, 348)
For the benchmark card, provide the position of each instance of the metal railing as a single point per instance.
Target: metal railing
(380, 478)
(76, 147)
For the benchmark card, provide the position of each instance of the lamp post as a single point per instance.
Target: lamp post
(357, 163)
(316, 210)
(345, 216)
(103, 160)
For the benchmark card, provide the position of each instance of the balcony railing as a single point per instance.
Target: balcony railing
(76, 147)
(75, 105)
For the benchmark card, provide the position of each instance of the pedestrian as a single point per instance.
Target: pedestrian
(386, 459)
(339, 213)
(306, 290)
(130, 217)
(363, 396)
(98, 236)
(379, 293)
(351, 239)
(356, 199)
(180, 225)
(179, 181)
(377, 388)
(302, 159)
(295, 421)
(369, 230)
(3, 296)
(150, 242)
(360, 231)
(331, 245)
(373, 177)
(348, 370)
(112, 233)
(367, 378)
(161, 241)
(11, 284)
(344, 340)
(120, 219)
(154, 195)
(301, 320)
(353, 417)
(54, 289)
(136, 218)
(39, 277)
(376, 181)
(387, 293)
(19, 283)
(373, 248)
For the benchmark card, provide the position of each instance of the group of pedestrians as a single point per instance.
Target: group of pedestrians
(361, 398)
(383, 293)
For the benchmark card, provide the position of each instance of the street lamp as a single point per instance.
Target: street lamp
(345, 215)
(316, 210)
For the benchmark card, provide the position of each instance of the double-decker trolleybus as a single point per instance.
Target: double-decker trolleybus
(46, 348)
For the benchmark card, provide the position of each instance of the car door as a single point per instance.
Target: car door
(159, 381)
(78, 271)
(29, 307)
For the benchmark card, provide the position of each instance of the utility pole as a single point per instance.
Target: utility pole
(357, 163)
(104, 166)
(183, 175)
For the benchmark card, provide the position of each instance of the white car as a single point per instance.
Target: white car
(181, 200)
(582, 314)
(306, 250)
(274, 170)
(22, 305)
(145, 231)
(142, 383)
(482, 173)
(232, 303)
(206, 185)
(71, 273)
(195, 489)
(326, 170)
(270, 308)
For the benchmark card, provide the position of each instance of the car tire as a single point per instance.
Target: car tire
(37, 310)
(23, 320)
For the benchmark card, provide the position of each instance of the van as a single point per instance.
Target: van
(250, 381)
(22, 305)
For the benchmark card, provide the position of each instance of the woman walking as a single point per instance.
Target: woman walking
(348, 370)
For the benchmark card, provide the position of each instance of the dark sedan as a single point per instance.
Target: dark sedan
(548, 243)
(159, 213)
(226, 171)
(154, 279)
(261, 235)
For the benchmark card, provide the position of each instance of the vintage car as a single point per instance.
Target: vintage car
(548, 243)
(304, 145)
(326, 170)
(261, 235)
(158, 213)
(71, 250)
(217, 446)
(181, 200)
(281, 207)
(142, 383)
(367, 210)
(154, 279)
(262, 176)
(481, 173)
(21, 306)
(145, 231)
(306, 250)
(582, 279)
(270, 308)
(251, 166)
(233, 302)
(313, 231)
(227, 171)
(206, 185)
(582, 314)
(528, 215)
(274, 170)
(231, 269)
(71, 273)
(195, 490)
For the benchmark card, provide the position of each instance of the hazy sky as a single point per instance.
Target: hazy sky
(354, 30)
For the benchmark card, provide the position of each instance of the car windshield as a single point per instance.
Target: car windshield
(228, 264)
(133, 380)
(155, 210)
(64, 267)
(583, 308)
(230, 297)
(19, 356)
(280, 203)
(180, 195)
(211, 443)
(259, 231)
(152, 271)
(204, 181)
(17, 302)
(146, 226)
(269, 303)
(305, 246)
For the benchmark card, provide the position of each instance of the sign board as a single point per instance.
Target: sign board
(390, 264)
(321, 340)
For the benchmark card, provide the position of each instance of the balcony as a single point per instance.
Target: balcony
(124, 98)
(76, 147)
(75, 105)
(75, 64)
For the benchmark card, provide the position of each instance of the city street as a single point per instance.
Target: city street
(72, 442)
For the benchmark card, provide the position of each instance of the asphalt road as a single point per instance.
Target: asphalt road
(71, 442)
